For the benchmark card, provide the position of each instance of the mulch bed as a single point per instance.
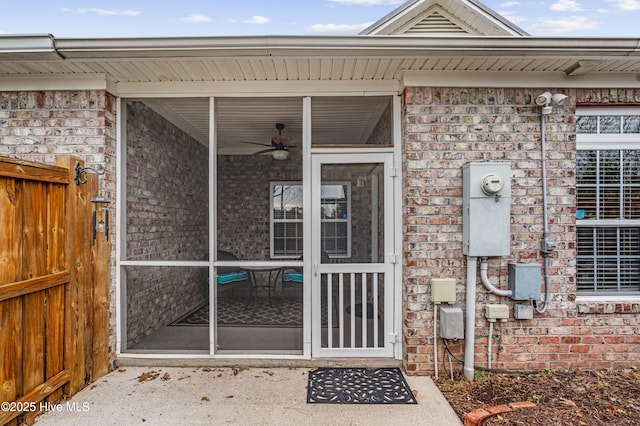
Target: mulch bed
(561, 397)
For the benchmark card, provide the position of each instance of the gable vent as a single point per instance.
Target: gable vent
(436, 24)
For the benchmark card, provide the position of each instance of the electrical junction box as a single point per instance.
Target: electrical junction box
(486, 209)
(525, 281)
(496, 312)
(451, 323)
(523, 312)
(443, 290)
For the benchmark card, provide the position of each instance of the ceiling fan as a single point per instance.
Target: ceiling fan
(279, 146)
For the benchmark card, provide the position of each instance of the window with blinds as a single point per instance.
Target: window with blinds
(608, 201)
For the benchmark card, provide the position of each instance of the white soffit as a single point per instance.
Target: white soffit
(531, 79)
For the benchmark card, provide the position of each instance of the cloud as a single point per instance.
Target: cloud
(367, 2)
(102, 12)
(258, 20)
(255, 20)
(569, 24)
(337, 29)
(625, 4)
(195, 18)
(510, 4)
(566, 5)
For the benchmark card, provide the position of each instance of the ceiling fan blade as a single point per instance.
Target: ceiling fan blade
(264, 151)
(256, 143)
(294, 144)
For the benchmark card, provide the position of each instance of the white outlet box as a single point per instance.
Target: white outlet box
(496, 312)
(443, 290)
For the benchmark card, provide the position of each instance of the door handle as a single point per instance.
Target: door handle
(315, 269)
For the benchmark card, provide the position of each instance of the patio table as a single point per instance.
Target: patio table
(269, 286)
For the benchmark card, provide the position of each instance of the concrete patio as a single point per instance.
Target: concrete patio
(231, 395)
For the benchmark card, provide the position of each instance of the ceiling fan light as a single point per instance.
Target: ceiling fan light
(280, 154)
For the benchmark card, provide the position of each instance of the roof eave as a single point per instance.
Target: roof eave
(337, 46)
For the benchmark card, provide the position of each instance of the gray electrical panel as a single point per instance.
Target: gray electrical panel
(451, 323)
(486, 209)
(525, 280)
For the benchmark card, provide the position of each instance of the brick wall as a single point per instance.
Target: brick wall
(167, 219)
(443, 129)
(243, 201)
(41, 125)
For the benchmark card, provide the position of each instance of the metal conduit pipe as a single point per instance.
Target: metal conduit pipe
(485, 280)
(547, 246)
(470, 320)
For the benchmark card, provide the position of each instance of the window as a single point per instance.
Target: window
(287, 215)
(336, 217)
(608, 201)
(286, 219)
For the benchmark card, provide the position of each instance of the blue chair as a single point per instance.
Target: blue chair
(227, 276)
(295, 277)
(291, 277)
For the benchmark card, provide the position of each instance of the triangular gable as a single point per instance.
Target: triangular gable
(444, 18)
(436, 21)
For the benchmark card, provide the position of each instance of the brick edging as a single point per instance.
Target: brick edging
(476, 417)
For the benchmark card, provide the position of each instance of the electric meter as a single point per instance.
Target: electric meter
(492, 184)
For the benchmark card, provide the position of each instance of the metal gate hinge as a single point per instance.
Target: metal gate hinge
(393, 338)
(393, 171)
(394, 258)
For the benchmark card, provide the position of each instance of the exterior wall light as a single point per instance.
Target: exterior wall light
(100, 224)
(546, 99)
(100, 217)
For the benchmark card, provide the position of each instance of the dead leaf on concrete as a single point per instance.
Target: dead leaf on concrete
(229, 396)
(269, 372)
(414, 392)
(148, 376)
(165, 377)
(204, 398)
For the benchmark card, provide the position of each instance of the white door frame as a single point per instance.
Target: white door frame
(387, 268)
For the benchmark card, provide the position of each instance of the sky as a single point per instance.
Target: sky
(177, 18)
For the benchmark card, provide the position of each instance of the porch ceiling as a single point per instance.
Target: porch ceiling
(249, 119)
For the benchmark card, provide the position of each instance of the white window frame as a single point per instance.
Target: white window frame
(610, 142)
(273, 220)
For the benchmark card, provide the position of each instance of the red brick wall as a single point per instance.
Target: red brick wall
(444, 128)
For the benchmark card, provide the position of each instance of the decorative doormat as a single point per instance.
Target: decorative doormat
(358, 386)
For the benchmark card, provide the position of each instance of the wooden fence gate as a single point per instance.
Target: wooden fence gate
(54, 287)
